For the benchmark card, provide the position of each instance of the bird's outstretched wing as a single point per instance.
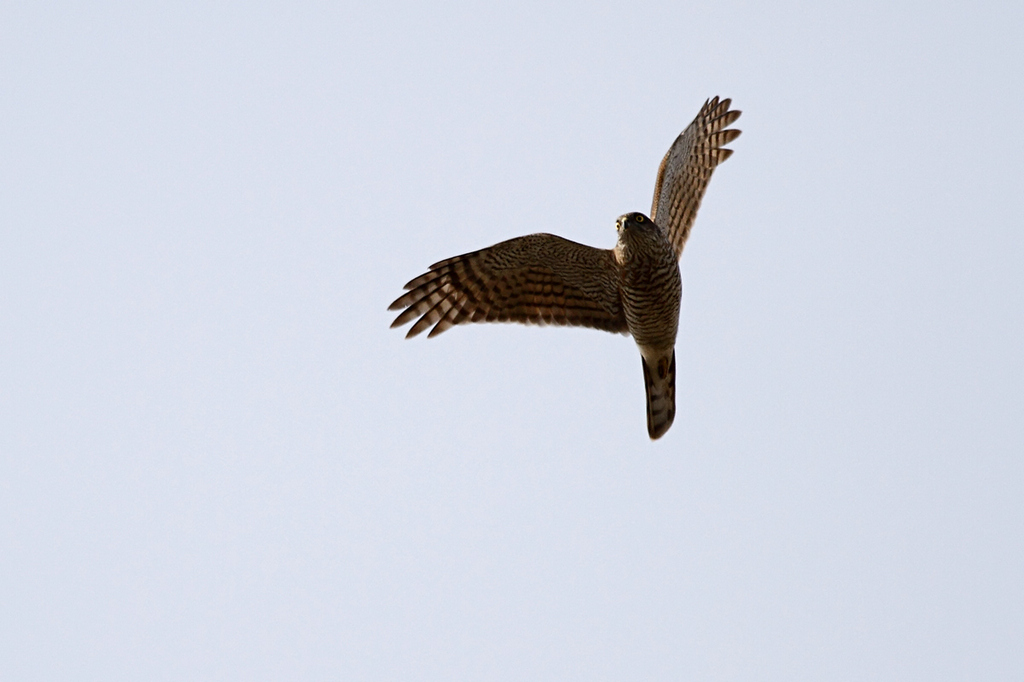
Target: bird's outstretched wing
(536, 279)
(686, 169)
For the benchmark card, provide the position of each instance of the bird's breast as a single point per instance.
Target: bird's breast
(651, 294)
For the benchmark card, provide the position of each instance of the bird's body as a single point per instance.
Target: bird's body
(634, 288)
(651, 290)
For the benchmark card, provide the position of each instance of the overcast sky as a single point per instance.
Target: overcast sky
(217, 462)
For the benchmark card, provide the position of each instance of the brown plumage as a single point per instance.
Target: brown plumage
(634, 288)
(686, 169)
(536, 279)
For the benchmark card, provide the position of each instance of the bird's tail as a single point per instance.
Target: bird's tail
(660, 382)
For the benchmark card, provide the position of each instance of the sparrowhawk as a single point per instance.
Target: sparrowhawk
(632, 289)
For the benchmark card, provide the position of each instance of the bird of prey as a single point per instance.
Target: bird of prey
(634, 288)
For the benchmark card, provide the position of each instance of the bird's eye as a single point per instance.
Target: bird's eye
(639, 218)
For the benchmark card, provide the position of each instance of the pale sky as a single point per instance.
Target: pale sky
(217, 462)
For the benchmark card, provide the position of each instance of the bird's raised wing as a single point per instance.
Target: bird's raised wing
(536, 279)
(686, 169)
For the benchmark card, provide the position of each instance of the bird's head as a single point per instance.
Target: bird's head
(634, 229)
(635, 223)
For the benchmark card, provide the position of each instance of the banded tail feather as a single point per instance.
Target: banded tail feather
(660, 384)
